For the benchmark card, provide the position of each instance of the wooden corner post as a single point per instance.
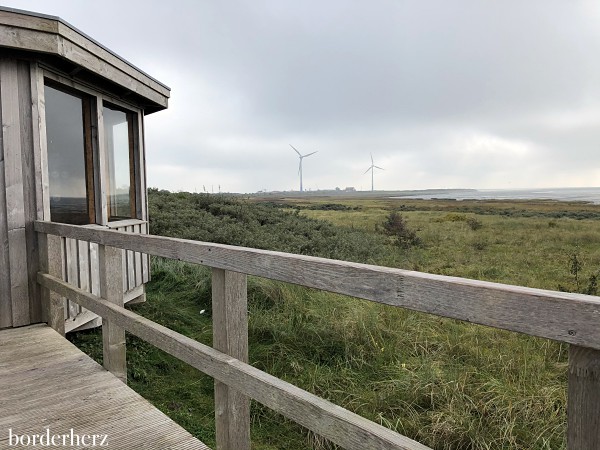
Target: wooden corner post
(110, 261)
(583, 409)
(230, 336)
(51, 262)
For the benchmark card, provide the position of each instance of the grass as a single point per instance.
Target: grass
(448, 384)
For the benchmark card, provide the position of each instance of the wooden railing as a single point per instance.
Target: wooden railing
(565, 317)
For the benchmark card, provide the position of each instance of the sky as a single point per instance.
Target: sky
(460, 94)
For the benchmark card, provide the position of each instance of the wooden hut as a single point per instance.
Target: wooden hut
(71, 151)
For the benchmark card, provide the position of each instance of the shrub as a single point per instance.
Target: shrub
(395, 225)
(474, 223)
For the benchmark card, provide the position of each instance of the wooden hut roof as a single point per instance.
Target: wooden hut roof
(51, 39)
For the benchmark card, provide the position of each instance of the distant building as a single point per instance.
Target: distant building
(350, 189)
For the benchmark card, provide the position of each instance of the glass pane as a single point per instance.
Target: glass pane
(116, 134)
(66, 157)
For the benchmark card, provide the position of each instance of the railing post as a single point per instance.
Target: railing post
(583, 409)
(51, 262)
(111, 288)
(230, 335)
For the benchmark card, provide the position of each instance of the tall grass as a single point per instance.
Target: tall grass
(448, 384)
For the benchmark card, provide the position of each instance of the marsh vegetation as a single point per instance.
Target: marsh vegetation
(448, 384)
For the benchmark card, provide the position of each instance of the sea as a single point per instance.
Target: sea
(589, 195)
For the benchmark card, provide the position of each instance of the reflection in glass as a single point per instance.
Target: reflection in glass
(117, 135)
(66, 157)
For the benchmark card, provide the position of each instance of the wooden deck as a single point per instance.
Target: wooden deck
(48, 383)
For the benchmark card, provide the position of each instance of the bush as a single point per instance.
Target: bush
(395, 225)
(474, 223)
(227, 219)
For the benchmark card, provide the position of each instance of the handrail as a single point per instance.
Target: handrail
(561, 316)
(341, 426)
(571, 318)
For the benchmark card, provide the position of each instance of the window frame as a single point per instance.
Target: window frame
(99, 215)
(132, 134)
(88, 145)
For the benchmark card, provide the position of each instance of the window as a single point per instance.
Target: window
(70, 163)
(119, 139)
(80, 172)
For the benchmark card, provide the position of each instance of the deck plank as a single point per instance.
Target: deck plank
(47, 382)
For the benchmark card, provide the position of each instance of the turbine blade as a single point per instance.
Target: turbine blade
(379, 167)
(372, 159)
(368, 169)
(296, 150)
(308, 154)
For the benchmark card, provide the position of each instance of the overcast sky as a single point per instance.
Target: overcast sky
(459, 94)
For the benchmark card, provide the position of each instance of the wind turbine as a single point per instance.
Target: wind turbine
(372, 169)
(300, 165)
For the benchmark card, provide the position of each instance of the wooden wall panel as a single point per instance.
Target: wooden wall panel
(14, 183)
(82, 269)
(145, 259)
(5, 297)
(24, 199)
(29, 187)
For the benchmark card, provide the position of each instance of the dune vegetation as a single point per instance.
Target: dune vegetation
(448, 384)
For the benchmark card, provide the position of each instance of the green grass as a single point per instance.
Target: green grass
(448, 384)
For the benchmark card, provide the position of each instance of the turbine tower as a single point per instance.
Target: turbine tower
(300, 165)
(372, 169)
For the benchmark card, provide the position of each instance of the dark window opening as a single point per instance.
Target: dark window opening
(70, 156)
(119, 138)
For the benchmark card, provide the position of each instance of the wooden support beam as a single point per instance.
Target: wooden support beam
(230, 336)
(111, 289)
(51, 261)
(583, 410)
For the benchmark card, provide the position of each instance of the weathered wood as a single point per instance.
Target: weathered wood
(138, 260)
(72, 263)
(100, 166)
(326, 419)
(88, 60)
(27, 21)
(48, 383)
(14, 188)
(130, 264)
(55, 25)
(40, 143)
(554, 315)
(17, 245)
(29, 187)
(125, 277)
(24, 39)
(113, 335)
(139, 167)
(583, 410)
(94, 269)
(5, 295)
(54, 264)
(230, 336)
(122, 224)
(11, 140)
(55, 44)
(83, 253)
(145, 259)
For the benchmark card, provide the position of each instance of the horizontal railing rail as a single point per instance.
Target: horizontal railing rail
(321, 416)
(561, 316)
(565, 317)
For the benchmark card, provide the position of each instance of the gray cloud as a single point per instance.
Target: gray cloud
(445, 94)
